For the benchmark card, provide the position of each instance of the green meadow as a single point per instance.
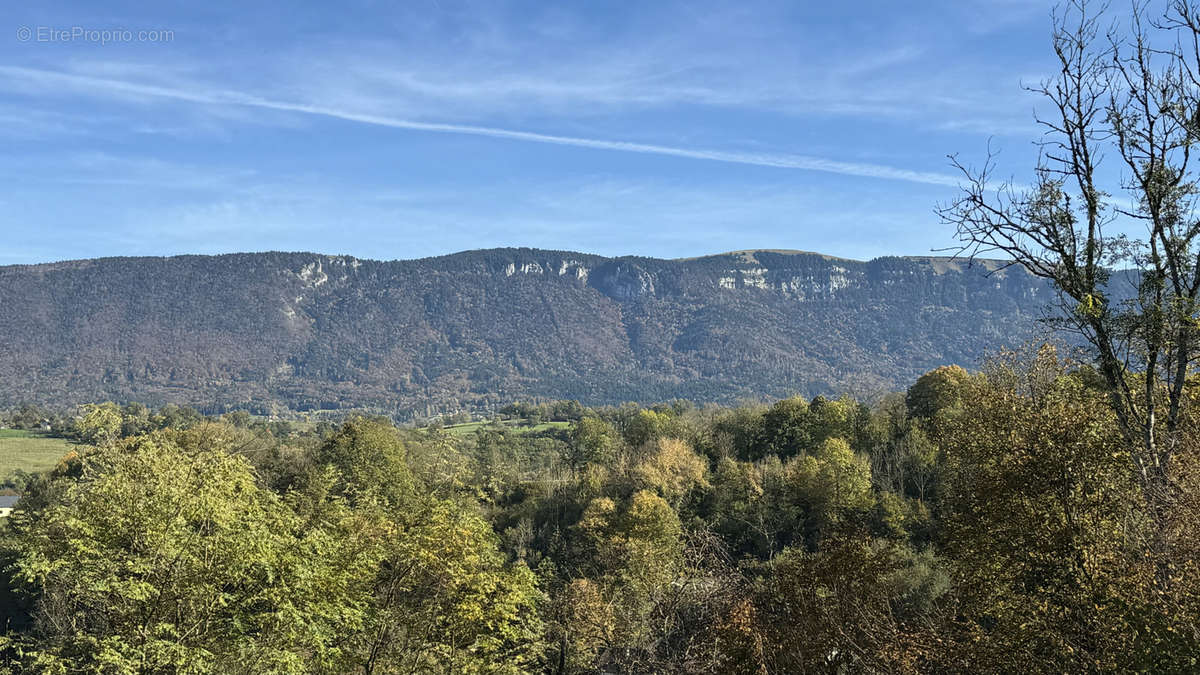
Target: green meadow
(514, 425)
(29, 451)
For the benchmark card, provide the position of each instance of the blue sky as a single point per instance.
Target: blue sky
(399, 130)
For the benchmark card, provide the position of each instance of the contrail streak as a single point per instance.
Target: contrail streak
(235, 98)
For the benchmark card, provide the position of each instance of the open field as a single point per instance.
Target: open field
(472, 427)
(13, 433)
(29, 451)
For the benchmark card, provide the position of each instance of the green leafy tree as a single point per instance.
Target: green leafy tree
(736, 433)
(635, 550)
(160, 560)
(445, 601)
(786, 428)
(371, 460)
(830, 419)
(100, 424)
(646, 426)
(843, 479)
(440, 597)
(172, 416)
(673, 470)
(938, 390)
(592, 441)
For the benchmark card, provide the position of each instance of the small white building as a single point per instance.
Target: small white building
(7, 504)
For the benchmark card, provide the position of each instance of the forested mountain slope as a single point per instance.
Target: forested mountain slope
(272, 331)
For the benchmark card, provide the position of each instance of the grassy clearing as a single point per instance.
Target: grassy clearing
(15, 433)
(29, 451)
(471, 427)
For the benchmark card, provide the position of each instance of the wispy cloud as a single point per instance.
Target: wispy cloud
(227, 97)
(754, 69)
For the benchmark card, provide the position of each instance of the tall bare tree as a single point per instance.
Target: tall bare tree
(1119, 242)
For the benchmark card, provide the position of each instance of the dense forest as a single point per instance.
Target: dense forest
(976, 522)
(278, 332)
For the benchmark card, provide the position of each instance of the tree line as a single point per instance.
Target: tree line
(976, 521)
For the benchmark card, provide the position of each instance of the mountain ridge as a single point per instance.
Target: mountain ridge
(499, 249)
(274, 331)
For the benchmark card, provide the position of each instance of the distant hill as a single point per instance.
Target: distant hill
(300, 331)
